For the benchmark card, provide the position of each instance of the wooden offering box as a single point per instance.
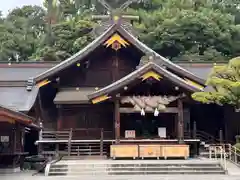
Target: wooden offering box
(177, 151)
(124, 151)
(149, 151)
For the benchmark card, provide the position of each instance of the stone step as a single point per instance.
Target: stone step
(133, 168)
(137, 172)
(139, 165)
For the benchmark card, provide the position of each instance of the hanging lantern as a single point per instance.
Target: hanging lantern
(156, 112)
(142, 112)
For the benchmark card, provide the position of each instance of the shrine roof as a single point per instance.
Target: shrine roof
(73, 95)
(18, 117)
(115, 28)
(22, 72)
(17, 97)
(151, 66)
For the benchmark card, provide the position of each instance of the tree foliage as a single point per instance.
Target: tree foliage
(189, 30)
(225, 81)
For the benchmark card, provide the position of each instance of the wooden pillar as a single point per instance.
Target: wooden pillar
(194, 135)
(14, 139)
(59, 119)
(180, 122)
(117, 121)
(40, 148)
(221, 136)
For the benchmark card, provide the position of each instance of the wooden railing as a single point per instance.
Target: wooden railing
(55, 135)
(69, 135)
(77, 134)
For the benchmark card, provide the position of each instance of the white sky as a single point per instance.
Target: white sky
(7, 5)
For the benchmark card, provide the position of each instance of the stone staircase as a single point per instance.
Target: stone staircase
(136, 167)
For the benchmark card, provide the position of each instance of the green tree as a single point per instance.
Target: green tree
(186, 30)
(20, 32)
(68, 37)
(225, 83)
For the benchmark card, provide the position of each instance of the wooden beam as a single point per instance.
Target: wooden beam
(132, 110)
(180, 122)
(117, 121)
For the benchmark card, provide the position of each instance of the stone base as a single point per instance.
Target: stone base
(9, 170)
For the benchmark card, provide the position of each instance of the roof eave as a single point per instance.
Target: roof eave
(145, 49)
(78, 56)
(132, 76)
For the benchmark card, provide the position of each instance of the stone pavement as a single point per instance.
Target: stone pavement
(28, 176)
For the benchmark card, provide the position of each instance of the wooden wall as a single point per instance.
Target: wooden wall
(88, 120)
(7, 129)
(99, 69)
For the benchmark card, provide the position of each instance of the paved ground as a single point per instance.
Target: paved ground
(28, 176)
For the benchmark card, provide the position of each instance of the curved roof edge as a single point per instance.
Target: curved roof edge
(139, 72)
(101, 39)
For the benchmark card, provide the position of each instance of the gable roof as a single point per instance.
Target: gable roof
(18, 117)
(138, 73)
(100, 40)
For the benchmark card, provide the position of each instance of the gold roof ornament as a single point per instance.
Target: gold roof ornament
(100, 99)
(194, 84)
(151, 74)
(116, 18)
(116, 42)
(43, 83)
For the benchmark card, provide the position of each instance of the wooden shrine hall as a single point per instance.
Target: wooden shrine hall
(115, 98)
(119, 98)
(15, 129)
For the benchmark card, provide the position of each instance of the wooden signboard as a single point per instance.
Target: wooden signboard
(130, 134)
(4, 139)
(162, 132)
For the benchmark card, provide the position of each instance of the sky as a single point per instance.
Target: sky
(7, 5)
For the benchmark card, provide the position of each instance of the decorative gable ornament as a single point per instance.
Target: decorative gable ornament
(116, 42)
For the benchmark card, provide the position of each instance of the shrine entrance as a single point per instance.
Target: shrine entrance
(149, 126)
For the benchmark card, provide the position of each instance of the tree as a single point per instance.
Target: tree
(189, 30)
(225, 81)
(186, 30)
(20, 32)
(68, 37)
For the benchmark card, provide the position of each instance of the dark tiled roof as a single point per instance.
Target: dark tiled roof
(138, 73)
(98, 41)
(20, 73)
(73, 96)
(18, 98)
